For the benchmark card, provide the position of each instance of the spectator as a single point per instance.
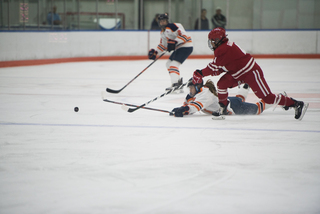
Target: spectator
(204, 22)
(155, 24)
(55, 18)
(219, 20)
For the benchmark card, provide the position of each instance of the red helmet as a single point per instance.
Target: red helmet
(218, 35)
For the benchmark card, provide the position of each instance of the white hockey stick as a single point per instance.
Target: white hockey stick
(162, 95)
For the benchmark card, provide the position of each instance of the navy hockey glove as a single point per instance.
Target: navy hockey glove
(179, 112)
(171, 45)
(152, 54)
(197, 77)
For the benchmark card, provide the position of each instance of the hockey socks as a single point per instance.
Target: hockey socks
(262, 106)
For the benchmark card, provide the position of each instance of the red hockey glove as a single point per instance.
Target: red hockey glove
(152, 54)
(197, 77)
(171, 45)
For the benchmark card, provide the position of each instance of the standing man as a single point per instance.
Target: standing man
(53, 17)
(204, 22)
(240, 67)
(173, 37)
(219, 20)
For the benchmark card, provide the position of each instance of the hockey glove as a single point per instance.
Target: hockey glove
(197, 77)
(179, 112)
(152, 54)
(171, 45)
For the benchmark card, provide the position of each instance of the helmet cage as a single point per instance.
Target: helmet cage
(210, 45)
(218, 36)
(216, 41)
(197, 86)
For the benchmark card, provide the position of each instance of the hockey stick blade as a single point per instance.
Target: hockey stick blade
(118, 91)
(125, 107)
(114, 91)
(162, 95)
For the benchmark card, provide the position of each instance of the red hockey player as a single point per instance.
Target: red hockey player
(240, 67)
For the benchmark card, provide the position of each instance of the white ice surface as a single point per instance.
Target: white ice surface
(105, 160)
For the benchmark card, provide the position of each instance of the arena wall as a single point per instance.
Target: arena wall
(86, 45)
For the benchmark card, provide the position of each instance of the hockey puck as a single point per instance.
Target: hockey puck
(76, 109)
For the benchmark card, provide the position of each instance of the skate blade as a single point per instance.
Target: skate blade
(221, 117)
(305, 107)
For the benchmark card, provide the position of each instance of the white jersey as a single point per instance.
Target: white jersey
(174, 31)
(204, 101)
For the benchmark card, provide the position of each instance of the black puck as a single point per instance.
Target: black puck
(76, 109)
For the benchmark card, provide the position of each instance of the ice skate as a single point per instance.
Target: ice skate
(217, 116)
(300, 109)
(225, 110)
(246, 86)
(243, 92)
(176, 85)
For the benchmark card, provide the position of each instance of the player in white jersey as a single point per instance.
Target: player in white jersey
(205, 98)
(173, 37)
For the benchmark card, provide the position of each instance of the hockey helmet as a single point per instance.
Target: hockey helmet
(218, 36)
(197, 86)
(164, 16)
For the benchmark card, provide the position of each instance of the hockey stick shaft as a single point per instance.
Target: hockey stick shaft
(132, 105)
(162, 95)
(117, 91)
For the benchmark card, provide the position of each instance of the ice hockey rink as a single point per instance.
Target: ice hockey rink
(103, 159)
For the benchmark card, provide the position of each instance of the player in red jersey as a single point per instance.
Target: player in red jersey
(240, 67)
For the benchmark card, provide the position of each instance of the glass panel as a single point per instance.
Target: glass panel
(217, 13)
(139, 14)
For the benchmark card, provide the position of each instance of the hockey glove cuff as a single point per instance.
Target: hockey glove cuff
(152, 54)
(171, 45)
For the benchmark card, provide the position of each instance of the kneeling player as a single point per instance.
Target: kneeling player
(205, 98)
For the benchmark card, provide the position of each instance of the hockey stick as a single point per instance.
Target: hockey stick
(162, 95)
(124, 105)
(117, 91)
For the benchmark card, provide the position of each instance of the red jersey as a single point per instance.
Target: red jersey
(230, 58)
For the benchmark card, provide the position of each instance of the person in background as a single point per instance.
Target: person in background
(155, 24)
(53, 17)
(204, 22)
(239, 67)
(173, 37)
(219, 20)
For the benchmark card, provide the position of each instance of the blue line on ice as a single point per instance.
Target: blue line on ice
(155, 127)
